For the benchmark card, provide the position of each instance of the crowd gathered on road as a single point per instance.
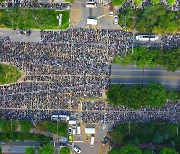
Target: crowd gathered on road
(34, 4)
(69, 65)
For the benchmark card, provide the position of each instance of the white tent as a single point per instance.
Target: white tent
(91, 22)
(89, 130)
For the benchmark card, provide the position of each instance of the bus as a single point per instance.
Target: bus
(146, 37)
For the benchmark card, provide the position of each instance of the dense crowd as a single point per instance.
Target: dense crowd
(175, 7)
(66, 66)
(34, 4)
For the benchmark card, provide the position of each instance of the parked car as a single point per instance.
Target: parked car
(74, 130)
(115, 19)
(70, 130)
(76, 149)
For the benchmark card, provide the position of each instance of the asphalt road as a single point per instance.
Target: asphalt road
(132, 75)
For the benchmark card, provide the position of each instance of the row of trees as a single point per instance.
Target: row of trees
(154, 18)
(146, 135)
(121, 2)
(153, 95)
(131, 149)
(47, 149)
(53, 127)
(143, 56)
(24, 126)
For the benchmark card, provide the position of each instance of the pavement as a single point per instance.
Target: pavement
(130, 75)
(14, 36)
(18, 147)
(100, 133)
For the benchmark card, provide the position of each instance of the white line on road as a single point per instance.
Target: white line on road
(134, 70)
(143, 83)
(78, 141)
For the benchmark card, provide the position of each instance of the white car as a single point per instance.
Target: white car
(116, 20)
(76, 149)
(74, 130)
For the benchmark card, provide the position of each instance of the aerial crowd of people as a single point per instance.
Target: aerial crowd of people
(68, 66)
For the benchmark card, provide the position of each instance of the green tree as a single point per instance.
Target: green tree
(26, 125)
(171, 59)
(130, 149)
(47, 149)
(156, 94)
(167, 150)
(148, 151)
(155, 1)
(30, 150)
(71, 1)
(114, 151)
(0, 150)
(118, 2)
(64, 150)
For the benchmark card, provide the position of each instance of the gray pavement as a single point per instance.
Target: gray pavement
(132, 75)
(14, 36)
(86, 148)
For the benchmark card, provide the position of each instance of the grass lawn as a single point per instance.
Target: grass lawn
(137, 2)
(155, 1)
(32, 18)
(171, 2)
(8, 74)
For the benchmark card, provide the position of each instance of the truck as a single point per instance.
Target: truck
(79, 130)
(111, 9)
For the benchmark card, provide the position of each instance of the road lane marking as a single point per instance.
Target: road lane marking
(140, 70)
(141, 76)
(143, 83)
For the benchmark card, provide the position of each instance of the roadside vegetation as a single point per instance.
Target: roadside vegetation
(64, 150)
(152, 95)
(137, 2)
(142, 57)
(47, 149)
(153, 19)
(70, 1)
(118, 2)
(52, 127)
(33, 18)
(163, 137)
(155, 1)
(20, 130)
(8, 74)
(171, 2)
(30, 150)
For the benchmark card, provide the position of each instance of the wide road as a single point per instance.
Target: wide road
(130, 75)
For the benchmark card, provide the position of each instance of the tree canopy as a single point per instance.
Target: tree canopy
(46, 149)
(30, 150)
(167, 150)
(154, 18)
(118, 2)
(158, 134)
(130, 149)
(153, 95)
(64, 150)
(168, 58)
(52, 127)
